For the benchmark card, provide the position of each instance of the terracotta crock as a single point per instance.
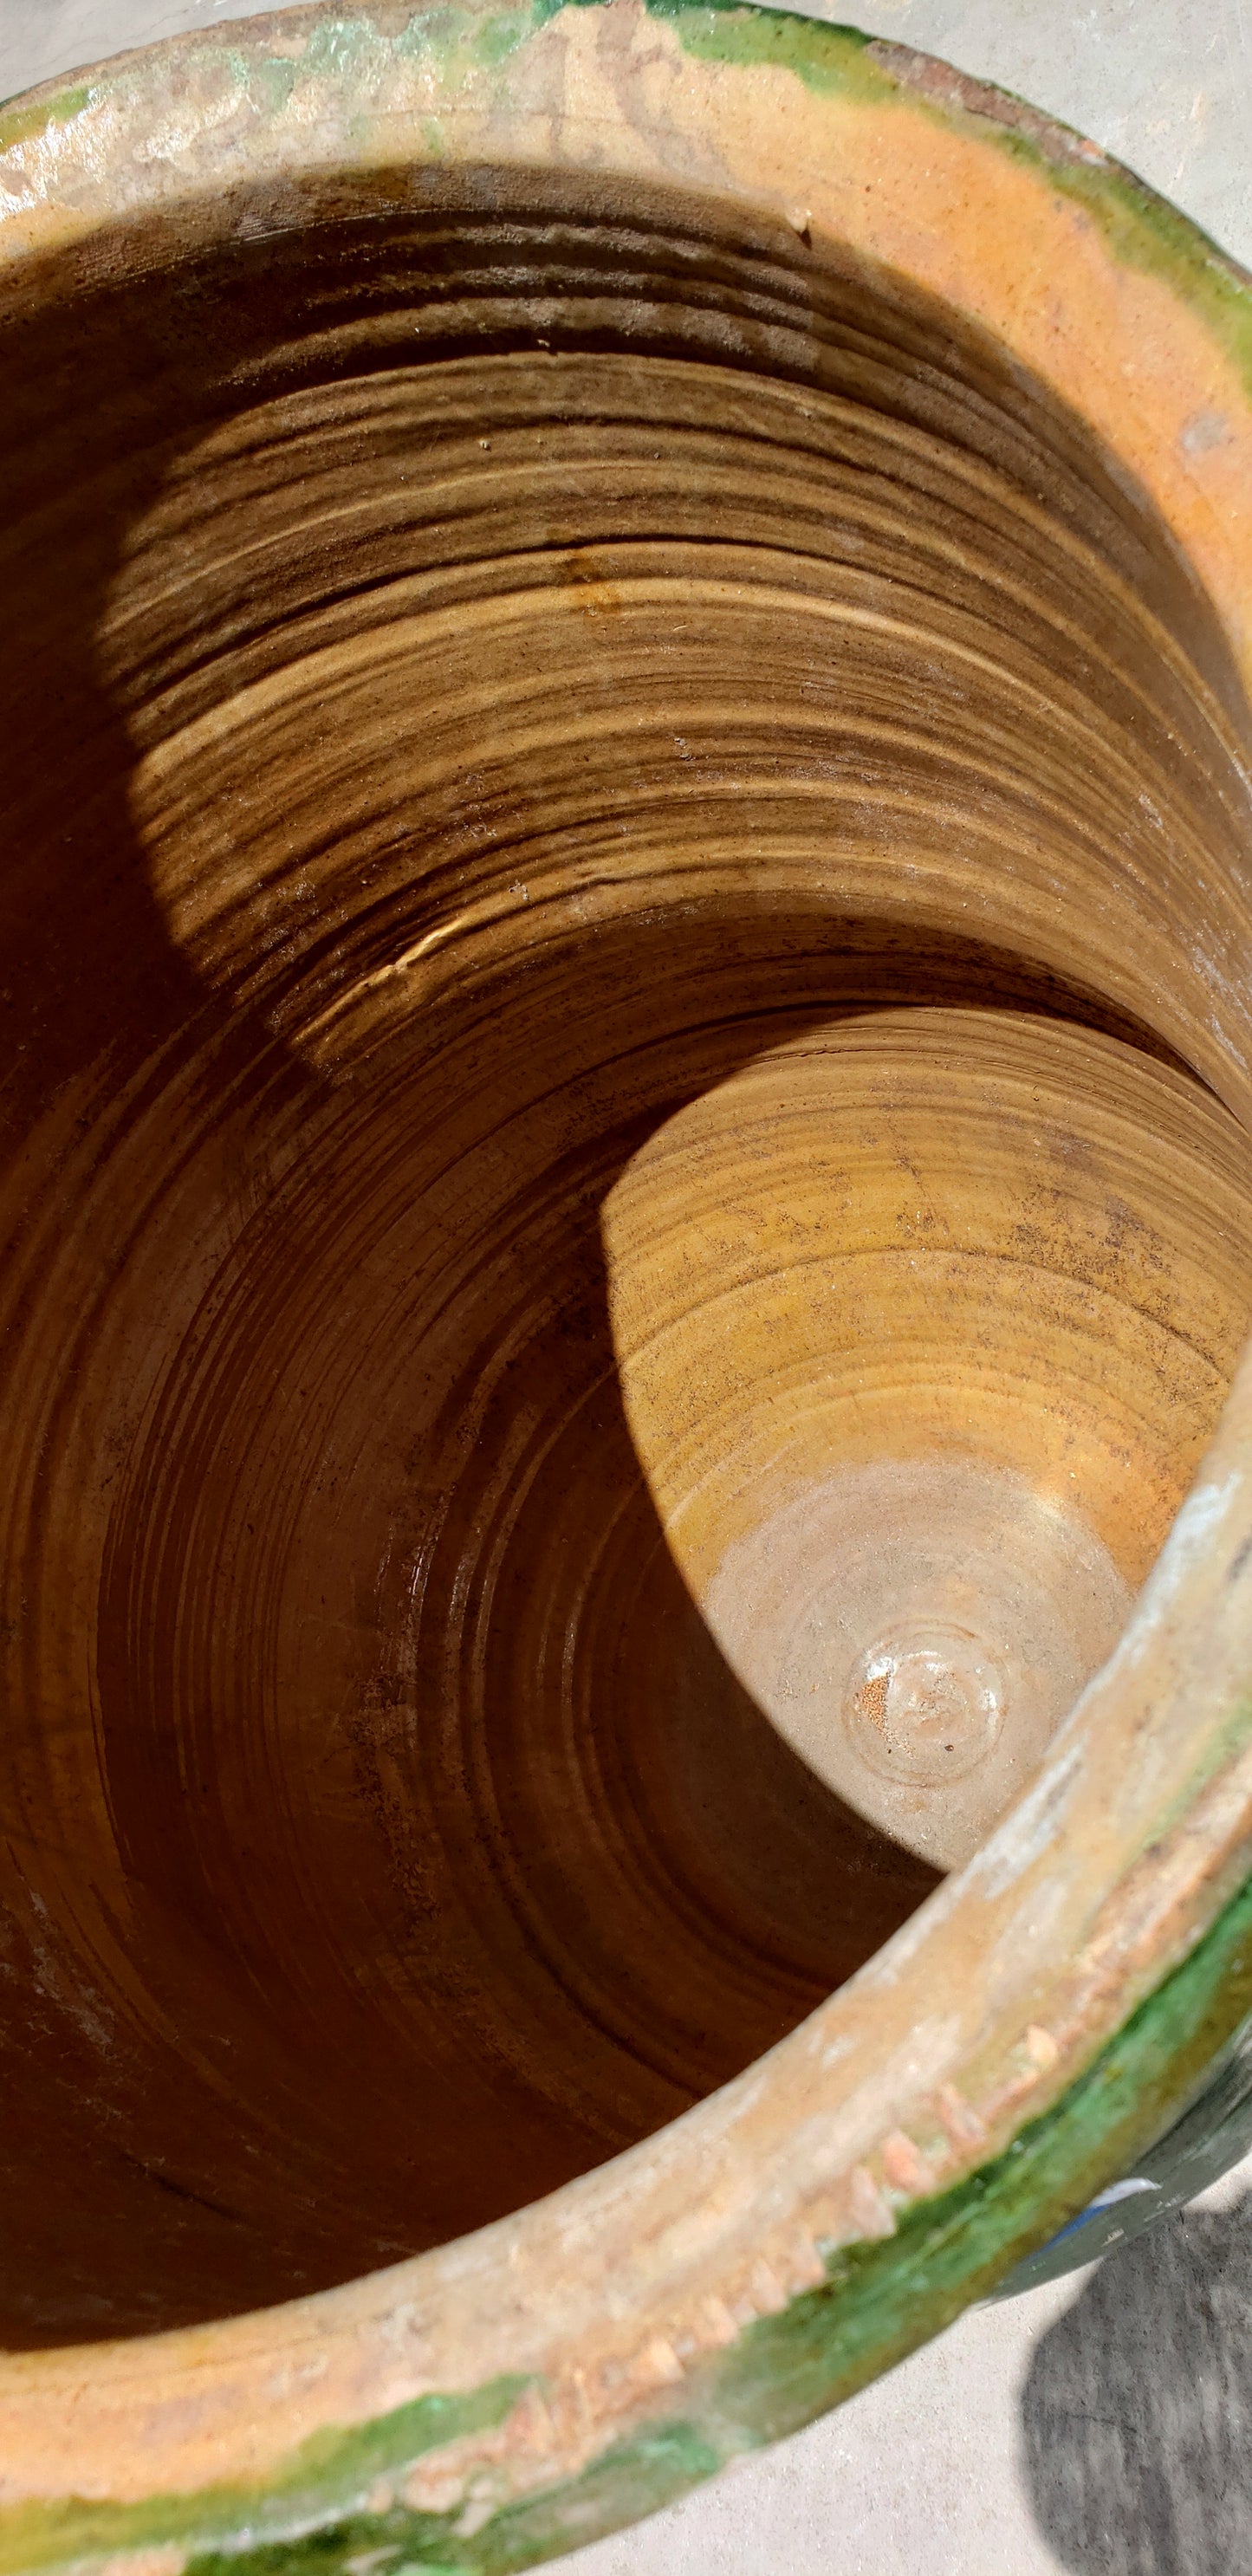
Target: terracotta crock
(627, 1517)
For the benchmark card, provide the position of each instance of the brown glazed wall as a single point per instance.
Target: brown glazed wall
(490, 658)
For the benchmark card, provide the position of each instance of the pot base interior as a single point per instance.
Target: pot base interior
(626, 1203)
(920, 1317)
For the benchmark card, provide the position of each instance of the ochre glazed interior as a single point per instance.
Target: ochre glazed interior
(624, 1198)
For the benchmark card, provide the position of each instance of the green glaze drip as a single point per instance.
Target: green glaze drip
(1145, 232)
(633, 2478)
(1142, 230)
(462, 38)
(661, 2463)
(878, 2302)
(386, 2542)
(343, 49)
(269, 79)
(833, 61)
(19, 122)
(326, 2478)
(882, 2299)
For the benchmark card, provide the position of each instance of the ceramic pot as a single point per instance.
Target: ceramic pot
(627, 1531)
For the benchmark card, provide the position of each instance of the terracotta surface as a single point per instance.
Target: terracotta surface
(627, 1221)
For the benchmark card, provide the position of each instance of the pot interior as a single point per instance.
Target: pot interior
(623, 1172)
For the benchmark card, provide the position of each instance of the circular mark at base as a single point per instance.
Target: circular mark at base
(917, 1629)
(926, 1704)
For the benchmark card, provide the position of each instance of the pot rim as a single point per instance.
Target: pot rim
(570, 2367)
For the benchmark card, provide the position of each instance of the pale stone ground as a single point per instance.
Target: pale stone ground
(1112, 2412)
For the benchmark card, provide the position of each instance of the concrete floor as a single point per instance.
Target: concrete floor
(1101, 2425)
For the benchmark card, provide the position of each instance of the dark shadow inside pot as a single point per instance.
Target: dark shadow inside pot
(572, 757)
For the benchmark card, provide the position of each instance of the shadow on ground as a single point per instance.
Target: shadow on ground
(1137, 2411)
